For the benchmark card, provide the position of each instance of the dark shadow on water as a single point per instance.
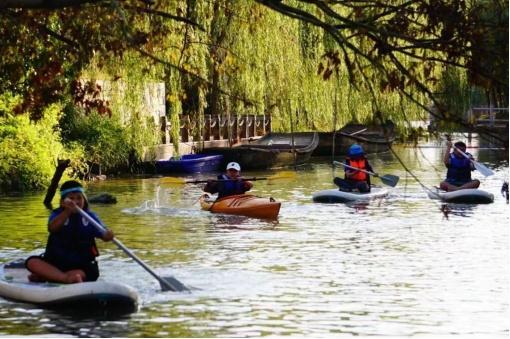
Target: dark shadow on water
(358, 206)
(361, 206)
(239, 222)
(461, 210)
(79, 322)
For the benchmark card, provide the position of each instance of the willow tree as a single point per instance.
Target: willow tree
(46, 43)
(403, 46)
(234, 55)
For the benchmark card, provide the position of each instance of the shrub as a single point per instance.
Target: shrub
(29, 150)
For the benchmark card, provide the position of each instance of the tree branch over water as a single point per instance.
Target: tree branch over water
(382, 46)
(389, 37)
(46, 4)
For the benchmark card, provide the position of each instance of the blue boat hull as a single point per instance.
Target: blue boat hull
(190, 163)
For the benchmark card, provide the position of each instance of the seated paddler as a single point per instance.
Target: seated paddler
(355, 180)
(229, 183)
(458, 175)
(71, 251)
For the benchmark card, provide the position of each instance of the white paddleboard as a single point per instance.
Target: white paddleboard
(464, 196)
(335, 195)
(94, 296)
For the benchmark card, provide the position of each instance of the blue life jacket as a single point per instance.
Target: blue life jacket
(459, 168)
(74, 244)
(229, 187)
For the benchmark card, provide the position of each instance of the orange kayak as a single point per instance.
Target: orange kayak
(242, 204)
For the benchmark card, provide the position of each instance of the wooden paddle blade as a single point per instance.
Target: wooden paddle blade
(172, 181)
(282, 175)
(389, 179)
(172, 284)
(483, 169)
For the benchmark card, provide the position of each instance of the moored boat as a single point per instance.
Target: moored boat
(190, 163)
(274, 150)
(337, 196)
(242, 204)
(373, 139)
(89, 297)
(464, 196)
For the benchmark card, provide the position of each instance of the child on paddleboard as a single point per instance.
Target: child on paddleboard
(71, 251)
(355, 180)
(459, 168)
(230, 183)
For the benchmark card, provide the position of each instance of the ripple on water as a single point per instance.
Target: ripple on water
(396, 266)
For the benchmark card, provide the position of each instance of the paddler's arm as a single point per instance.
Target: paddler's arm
(55, 224)
(248, 185)
(446, 158)
(108, 235)
(369, 167)
(211, 187)
(349, 172)
(471, 163)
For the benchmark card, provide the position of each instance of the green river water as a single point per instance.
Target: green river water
(393, 267)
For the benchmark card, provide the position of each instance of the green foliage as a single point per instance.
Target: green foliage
(454, 92)
(117, 142)
(489, 63)
(103, 139)
(7, 103)
(29, 150)
(311, 65)
(456, 97)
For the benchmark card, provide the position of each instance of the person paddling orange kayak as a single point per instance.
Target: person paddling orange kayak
(230, 183)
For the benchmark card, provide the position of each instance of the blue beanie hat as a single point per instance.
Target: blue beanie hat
(355, 150)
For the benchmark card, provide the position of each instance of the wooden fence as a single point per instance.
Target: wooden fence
(488, 117)
(218, 127)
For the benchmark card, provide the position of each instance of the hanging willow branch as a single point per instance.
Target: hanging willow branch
(203, 80)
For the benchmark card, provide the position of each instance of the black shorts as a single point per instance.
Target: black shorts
(457, 183)
(90, 269)
(350, 185)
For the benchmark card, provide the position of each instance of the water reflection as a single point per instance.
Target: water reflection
(218, 221)
(23, 319)
(239, 222)
(396, 266)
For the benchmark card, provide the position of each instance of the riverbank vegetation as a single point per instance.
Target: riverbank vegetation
(309, 64)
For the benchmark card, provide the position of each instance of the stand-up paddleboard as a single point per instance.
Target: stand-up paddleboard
(335, 195)
(464, 196)
(90, 297)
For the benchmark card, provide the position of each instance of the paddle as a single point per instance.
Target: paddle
(480, 167)
(387, 179)
(167, 283)
(181, 181)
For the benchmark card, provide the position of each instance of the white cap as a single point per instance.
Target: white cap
(234, 165)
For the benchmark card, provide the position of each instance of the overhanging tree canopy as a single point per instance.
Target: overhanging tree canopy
(383, 46)
(396, 45)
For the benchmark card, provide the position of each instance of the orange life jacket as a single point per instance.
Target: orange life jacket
(361, 164)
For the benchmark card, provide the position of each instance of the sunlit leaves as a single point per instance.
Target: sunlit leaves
(401, 46)
(43, 49)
